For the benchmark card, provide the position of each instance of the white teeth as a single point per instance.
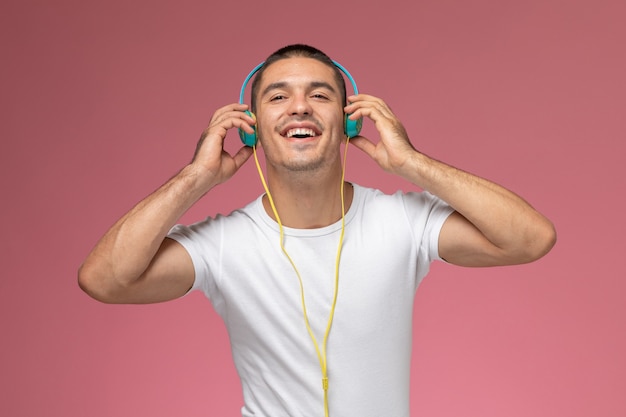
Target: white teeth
(300, 132)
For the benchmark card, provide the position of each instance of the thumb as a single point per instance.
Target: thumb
(364, 144)
(242, 156)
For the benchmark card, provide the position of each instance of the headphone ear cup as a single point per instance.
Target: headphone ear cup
(248, 139)
(352, 128)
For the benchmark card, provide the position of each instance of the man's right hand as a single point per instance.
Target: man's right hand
(210, 157)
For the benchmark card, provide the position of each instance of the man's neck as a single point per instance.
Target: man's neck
(308, 201)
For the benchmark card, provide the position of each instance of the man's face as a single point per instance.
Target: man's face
(300, 115)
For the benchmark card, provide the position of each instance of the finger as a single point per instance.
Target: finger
(369, 106)
(226, 112)
(242, 155)
(362, 97)
(366, 99)
(371, 112)
(230, 120)
(220, 118)
(231, 107)
(364, 144)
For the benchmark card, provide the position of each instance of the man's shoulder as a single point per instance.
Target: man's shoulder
(375, 194)
(248, 212)
(416, 201)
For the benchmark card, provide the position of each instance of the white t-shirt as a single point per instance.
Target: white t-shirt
(389, 243)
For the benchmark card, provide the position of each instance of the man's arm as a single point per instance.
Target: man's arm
(490, 226)
(134, 262)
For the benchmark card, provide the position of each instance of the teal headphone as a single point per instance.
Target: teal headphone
(351, 127)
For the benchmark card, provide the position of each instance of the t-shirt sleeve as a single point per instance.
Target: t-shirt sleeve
(199, 240)
(427, 213)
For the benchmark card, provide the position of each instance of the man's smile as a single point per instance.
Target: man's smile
(300, 133)
(300, 130)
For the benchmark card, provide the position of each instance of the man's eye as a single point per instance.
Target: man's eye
(320, 96)
(277, 98)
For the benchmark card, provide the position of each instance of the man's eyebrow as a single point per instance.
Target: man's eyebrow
(283, 84)
(273, 86)
(323, 84)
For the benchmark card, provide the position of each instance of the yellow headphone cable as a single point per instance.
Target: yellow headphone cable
(321, 354)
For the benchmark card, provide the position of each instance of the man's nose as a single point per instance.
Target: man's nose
(300, 105)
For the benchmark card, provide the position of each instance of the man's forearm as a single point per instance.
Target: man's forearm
(126, 250)
(504, 218)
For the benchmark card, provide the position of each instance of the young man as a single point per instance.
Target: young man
(318, 304)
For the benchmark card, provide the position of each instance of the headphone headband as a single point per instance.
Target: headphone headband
(245, 82)
(258, 67)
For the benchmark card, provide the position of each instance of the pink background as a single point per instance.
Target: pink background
(103, 101)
